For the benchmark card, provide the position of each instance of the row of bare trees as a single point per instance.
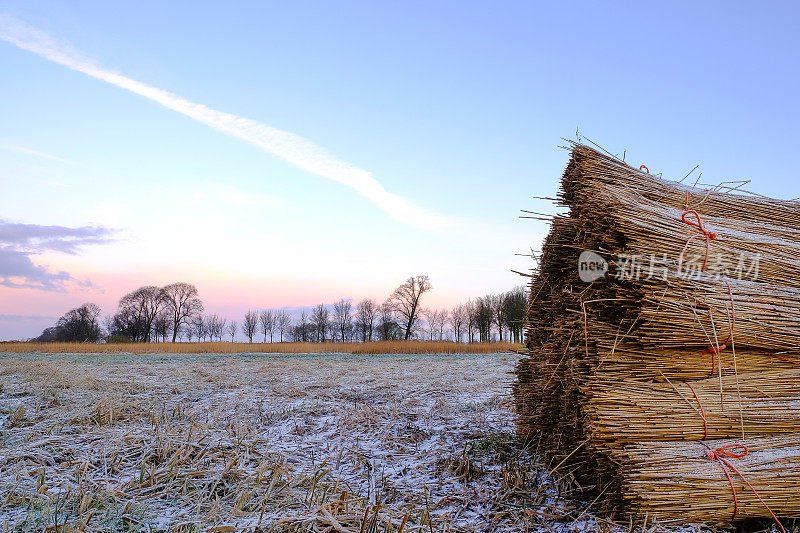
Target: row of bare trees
(401, 316)
(175, 312)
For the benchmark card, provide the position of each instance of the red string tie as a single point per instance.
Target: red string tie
(715, 455)
(699, 224)
(644, 168)
(709, 235)
(721, 455)
(715, 351)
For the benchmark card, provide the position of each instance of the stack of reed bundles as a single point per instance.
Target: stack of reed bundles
(632, 383)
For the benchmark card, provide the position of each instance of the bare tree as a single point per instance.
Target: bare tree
(187, 331)
(250, 325)
(267, 321)
(429, 326)
(284, 323)
(498, 317)
(216, 327)
(514, 308)
(388, 328)
(303, 327)
(320, 318)
(458, 321)
(233, 327)
(142, 306)
(366, 312)
(484, 318)
(343, 317)
(182, 303)
(405, 301)
(199, 327)
(162, 325)
(471, 313)
(108, 326)
(81, 324)
(435, 322)
(441, 322)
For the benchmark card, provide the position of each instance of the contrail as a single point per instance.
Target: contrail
(288, 146)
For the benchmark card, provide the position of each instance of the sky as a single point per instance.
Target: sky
(288, 154)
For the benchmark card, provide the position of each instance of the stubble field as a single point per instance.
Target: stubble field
(348, 443)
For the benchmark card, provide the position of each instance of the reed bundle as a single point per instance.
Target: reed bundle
(620, 220)
(679, 482)
(690, 335)
(589, 166)
(630, 361)
(734, 406)
(698, 313)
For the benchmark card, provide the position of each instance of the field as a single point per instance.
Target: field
(248, 442)
(377, 347)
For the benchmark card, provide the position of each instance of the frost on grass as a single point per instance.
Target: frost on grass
(292, 443)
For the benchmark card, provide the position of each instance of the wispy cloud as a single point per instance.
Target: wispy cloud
(288, 146)
(31, 152)
(37, 238)
(18, 242)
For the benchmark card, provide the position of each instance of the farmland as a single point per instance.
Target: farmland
(326, 442)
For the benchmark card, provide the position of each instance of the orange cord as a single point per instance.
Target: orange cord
(709, 235)
(721, 455)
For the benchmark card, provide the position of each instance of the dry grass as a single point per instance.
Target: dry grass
(377, 347)
(343, 443)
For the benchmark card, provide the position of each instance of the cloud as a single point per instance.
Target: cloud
(36, 238)
(288, 146)
(18, 242)
(18, 271)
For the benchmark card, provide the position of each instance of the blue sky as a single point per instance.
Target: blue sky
(457, 109)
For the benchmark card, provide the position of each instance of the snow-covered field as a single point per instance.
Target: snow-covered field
(267, 442)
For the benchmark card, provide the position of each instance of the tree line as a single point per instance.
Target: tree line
(176, 313)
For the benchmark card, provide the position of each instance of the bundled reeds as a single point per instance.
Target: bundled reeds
(758, 404)
(713, 482)
(691, 335)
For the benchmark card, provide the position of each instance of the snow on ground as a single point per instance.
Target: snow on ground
(268, 443)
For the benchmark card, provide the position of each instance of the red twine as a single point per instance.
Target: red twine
(730, 451)
(721, 455)
(709, 235)
(644, 168)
